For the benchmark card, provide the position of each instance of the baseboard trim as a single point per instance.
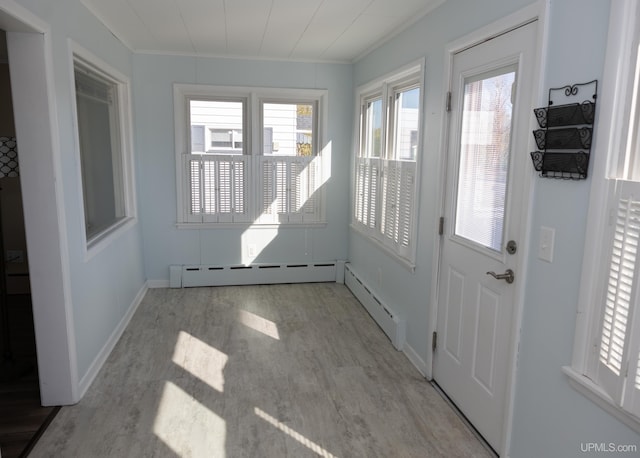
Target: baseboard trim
(187, 276)
(88, 378)
(392, 325)
(415, 359)
(153, 284)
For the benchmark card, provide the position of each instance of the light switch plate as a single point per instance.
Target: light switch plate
(547, 240)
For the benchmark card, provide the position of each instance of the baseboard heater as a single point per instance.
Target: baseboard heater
(187, 276)
(388, 321)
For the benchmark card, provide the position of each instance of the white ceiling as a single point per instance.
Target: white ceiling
(308, 30)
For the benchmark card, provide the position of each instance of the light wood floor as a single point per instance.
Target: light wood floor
(21, 415)
(257, 371)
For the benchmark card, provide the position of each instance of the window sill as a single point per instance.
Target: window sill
(104, 238)
(250, 225)
(404, 262)
(594, 393)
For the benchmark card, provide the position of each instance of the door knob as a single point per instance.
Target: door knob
(508, 275)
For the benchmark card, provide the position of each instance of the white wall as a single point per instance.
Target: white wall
(164, 244)
(550, 418)
(101, 289)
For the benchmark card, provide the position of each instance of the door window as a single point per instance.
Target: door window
(484, 157)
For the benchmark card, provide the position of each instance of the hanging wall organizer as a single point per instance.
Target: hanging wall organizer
(566, 128)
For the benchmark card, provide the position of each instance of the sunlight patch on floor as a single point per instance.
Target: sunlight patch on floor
(293, 434)
(200, 360)
(186, 426)
(257, 323)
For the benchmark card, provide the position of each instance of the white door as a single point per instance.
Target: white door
(487, 159)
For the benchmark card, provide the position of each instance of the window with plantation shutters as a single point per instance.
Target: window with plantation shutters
(385, 181)
(618, 352)
(237, 170)
(606, 357)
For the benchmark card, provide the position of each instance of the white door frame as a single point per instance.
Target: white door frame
(29, 43)
(539, 11)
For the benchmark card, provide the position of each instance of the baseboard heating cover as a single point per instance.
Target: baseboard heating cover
(388, 321)
(186, 276)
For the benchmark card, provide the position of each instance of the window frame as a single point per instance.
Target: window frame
(385, 89)
(124, 174)
(610, 172)
(253, 135)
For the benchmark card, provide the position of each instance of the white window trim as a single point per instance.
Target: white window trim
(611, 134)
(384, 87)
(254, 97)
(100, 241)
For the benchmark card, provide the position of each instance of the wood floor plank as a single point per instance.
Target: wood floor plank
(21, 415)
(270, 371)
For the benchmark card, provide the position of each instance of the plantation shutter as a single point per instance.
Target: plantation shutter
(273, 189)
(290, 188)
(367, 179)
(194, 186)
(406, 204)
(360, 206)
(311, 183)
(618, 354)
(390, 185)
(398, 200)
(267, 201)
(217, 188)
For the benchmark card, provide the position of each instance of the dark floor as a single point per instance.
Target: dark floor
(22, 418)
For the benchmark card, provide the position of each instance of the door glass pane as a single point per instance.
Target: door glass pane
(484, 157)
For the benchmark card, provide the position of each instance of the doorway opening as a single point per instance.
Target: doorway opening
(22, 416)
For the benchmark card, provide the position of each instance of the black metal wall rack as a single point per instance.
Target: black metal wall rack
(566, 128)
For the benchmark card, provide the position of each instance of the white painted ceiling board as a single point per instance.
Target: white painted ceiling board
(311, 30)
(164, 21)
(124, 23)
(282, 33)
(205, 21)
(356, 37)
(246, 22)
